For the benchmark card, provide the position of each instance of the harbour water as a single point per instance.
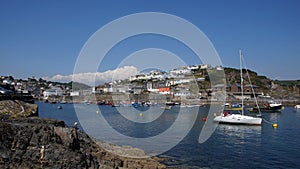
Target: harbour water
(230, 146)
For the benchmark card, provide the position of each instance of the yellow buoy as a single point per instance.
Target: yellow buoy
(274, 125)
(141, 114)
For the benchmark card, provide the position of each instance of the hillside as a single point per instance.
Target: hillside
(287, 89)
(233, 76)
(78, 86)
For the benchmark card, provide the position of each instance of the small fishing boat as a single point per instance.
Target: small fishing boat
(170, 103)
(135, 104)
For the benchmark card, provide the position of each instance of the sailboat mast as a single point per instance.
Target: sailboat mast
(242, 88)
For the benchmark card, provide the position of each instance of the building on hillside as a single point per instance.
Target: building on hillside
(219, 68)
(105, 88)
(53, 91)
(75, 93)
(205, 66)
(99, 89)
(164, 90)
(152, 87)
(180, 81)
(219, 87)
(138, 89)
(193, 67)
(235, 89)
(139, 77)
(119, 88)
(181, 91)
(180, 71)
(7, 81)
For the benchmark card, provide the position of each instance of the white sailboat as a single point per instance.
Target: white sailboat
(238, 118)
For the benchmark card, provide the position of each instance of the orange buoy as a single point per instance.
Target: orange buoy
(203, 119)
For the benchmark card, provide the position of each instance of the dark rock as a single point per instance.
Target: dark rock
(21, 141)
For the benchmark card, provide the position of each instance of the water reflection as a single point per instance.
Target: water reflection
(239, 134)
(230, 146)
(239, 130)
(155, 137)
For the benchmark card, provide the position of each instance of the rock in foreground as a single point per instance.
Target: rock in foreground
(22, 139)
(17, 108)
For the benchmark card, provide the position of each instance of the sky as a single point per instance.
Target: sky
(43, 38)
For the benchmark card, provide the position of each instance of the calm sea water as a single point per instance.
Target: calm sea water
(230, 146)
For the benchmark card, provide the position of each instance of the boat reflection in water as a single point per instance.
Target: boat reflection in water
(240, 131)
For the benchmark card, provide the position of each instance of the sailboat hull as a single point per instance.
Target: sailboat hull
(238, 119)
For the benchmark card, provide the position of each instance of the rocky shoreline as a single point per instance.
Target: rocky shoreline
(17, 108)
(28, 141)
(22, 140)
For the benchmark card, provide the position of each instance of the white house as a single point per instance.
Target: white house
(180, 71)
(219, 68)
(75, 93)
(180, 81)
(152, 88)
(53, 91)
(193, 67)
(205, 66)
(7, 81)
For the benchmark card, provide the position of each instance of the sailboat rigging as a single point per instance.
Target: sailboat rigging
(239, 118)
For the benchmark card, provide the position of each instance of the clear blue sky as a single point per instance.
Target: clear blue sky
(43, 38)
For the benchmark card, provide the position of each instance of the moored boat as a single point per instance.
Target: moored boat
(229, 118)
(233, 107)
(172, 103)
(297, 106)
(271, 106)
